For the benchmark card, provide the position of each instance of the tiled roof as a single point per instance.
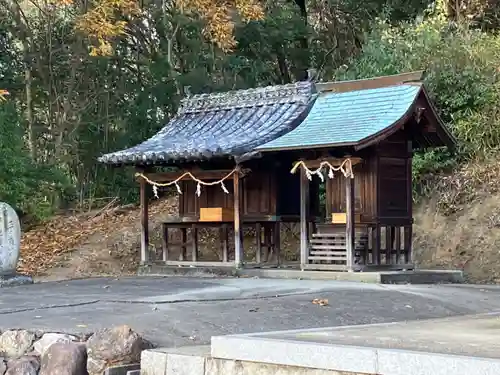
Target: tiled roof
(223, 124)
(348, 117)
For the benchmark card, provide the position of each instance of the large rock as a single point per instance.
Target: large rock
(65, 358)
(48, 339)
(15, 343)
(28, 365)
(3, 366)
(114, 346)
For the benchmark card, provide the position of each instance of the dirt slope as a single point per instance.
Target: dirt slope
(459, 227)
(99, 243)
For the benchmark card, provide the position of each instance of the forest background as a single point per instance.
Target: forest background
(87, 77)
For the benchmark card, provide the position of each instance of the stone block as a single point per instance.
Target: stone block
(395, 362)
(153, 362)
(216, 366)
(354, 359)
(182, 364)
(122, 370)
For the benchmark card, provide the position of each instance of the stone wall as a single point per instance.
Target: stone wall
(24, 352)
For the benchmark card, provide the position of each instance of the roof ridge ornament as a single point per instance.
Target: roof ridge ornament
(299, 92)
(312, 75)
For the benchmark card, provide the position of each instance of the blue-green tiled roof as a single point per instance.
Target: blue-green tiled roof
(348, 117)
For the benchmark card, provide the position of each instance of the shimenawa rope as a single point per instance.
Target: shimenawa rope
(345, 168)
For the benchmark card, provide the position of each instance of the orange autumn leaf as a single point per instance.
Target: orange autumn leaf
(320, 302)
(3, 94)
(102, 23)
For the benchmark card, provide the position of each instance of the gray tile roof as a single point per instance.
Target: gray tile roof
(223, 124)
(348, 117)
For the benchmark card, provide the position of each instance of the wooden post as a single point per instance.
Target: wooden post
(164, 243)
(258, 244)
(304, 213)
(224, 242)
(183, 253)
(194, 243)
(277, 242)
(238, 245)
(144, 222)
(408, 256)
(350, 226)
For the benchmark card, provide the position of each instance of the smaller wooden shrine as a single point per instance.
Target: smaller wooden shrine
(262, 157)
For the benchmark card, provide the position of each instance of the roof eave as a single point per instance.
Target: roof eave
(305, 147)
(391, 129)
(445, 136)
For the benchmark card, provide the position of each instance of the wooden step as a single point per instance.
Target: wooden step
(342, 259)
(320, 241)
(326, 252)
(328, 247)
(336, 235)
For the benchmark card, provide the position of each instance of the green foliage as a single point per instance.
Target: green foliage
(30, 188)
(462, 76)
(76, 107)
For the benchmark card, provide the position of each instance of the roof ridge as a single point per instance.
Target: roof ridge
(302, 92)
(414, 78)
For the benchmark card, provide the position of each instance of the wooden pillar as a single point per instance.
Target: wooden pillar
(164, 243)
(409, 232)
(304, 213)
(238, 243)
(328, 199)
(350, 225)
(144, 222)
(194, 243)
(258, 243)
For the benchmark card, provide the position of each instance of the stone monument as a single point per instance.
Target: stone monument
(10, 242)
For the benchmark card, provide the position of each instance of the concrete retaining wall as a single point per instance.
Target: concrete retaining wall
(197, 361)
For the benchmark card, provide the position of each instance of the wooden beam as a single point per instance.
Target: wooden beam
(238, 243)
(350, 226)
(144, 222)
(371, 83)
(180, 263)
(304, 211)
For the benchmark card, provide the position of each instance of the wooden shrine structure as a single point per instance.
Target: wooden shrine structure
(260, 158)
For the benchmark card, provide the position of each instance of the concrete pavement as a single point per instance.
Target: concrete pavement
(180, 311)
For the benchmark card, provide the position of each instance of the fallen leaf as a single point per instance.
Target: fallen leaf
(320, 302)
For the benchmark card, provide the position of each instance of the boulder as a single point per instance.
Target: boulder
(114, 346)
(15, 343)
(27, 365)
(48, 339)
(65, 358)
(3, 366)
